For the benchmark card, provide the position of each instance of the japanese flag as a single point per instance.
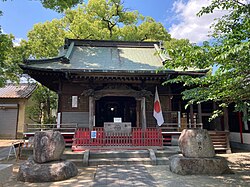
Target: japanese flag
(157, 109)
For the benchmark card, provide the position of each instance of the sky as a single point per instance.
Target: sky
(178, 16)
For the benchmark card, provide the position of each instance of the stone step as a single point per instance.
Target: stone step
(120, 157)
(119, 161)
(119, 154)
(72, 155)
(165, 153)
(77, 162)
(162, 161)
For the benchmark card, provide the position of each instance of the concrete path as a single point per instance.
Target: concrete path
(143, 175)
(137, 175)
(123, 176)
(161, 176)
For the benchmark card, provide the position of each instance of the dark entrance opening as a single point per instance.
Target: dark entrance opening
(108, 108)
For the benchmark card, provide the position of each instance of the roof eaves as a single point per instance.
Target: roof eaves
(32, 89)
(118, 71)
(164, 57)
(159, 71)
(44, 61)
(65, 59)
(200, 71)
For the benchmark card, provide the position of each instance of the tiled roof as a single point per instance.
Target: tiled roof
(17, 91)
(106, 56)
(84, 55)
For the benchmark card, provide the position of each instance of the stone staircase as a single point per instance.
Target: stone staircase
(120, 157)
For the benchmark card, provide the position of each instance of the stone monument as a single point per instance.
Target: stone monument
(198, 155)
(46, 165)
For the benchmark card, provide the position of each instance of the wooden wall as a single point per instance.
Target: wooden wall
(80, 113)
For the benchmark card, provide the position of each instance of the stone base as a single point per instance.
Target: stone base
(189, 166)
(30, 171)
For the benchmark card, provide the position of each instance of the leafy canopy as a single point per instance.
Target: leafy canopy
(9, 59)
(60, 5)
(98, 19)
(228, 51)
(44, 101)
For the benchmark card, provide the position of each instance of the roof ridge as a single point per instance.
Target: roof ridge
(109, 43)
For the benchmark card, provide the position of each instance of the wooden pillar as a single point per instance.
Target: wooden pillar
(138, 113)
(143, 113)
(59, 104)
(226, 126)
(191, 114)
(179, 105)
(199, 113)
(91, 112)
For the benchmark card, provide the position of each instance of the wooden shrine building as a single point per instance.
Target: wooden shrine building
(101, 81)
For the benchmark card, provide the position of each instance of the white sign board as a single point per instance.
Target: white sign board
(124, 127)
(58, 120)
(74, 101)
(117, 120)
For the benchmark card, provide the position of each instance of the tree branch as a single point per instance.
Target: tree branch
(240, 3)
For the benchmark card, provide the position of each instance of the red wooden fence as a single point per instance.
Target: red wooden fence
(137, 138)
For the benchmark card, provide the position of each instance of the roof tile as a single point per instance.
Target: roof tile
(17, 91)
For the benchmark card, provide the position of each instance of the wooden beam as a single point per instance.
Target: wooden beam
(199, 113)
(143, 113)
(138, 113)
(91, 112)
(191, 114)
(226, 126)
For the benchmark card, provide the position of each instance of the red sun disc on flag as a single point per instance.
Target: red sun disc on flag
(157, 107)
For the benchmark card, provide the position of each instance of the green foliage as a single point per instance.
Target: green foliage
(44, 102)
(98, 19)
(9, 58)
(44, 39)
(229, 51)
(60, 5)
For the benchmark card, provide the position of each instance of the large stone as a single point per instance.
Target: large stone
(31, 171)
(196, 143)
(48, 146)
(189, 166)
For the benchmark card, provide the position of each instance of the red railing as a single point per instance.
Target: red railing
(137, 138)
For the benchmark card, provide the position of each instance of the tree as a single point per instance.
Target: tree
(228, 50)
(99, 19)
(10, 56)
(44, 102)
(44, 39)
(9, 59)
(60, 5)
